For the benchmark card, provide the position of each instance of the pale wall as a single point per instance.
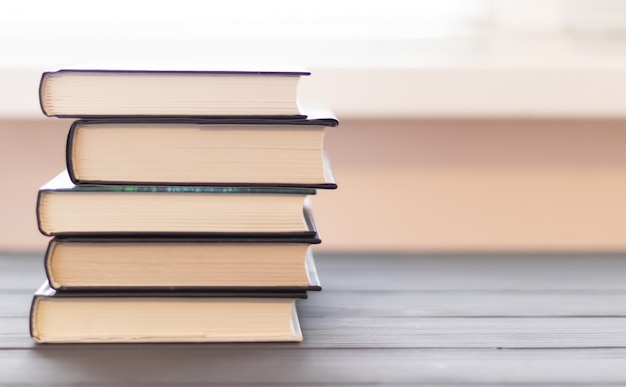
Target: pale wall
(412, 184)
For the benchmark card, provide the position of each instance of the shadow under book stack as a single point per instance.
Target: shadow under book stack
(183, 214)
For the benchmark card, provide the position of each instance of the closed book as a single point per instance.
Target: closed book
(64, 208)
(218, 264)
(173, 316)
(226, 151)
(105, 92)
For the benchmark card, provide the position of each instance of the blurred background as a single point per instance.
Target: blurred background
(469, 125)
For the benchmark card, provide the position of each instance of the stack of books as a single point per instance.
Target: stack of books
(183, 215)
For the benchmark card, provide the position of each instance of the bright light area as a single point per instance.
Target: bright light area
(52, 33)
(270, 19)
(370, 58)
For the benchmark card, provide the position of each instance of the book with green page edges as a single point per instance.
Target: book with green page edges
(64, 208)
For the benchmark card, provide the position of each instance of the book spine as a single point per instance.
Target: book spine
(32, 317)
(47, 263)
(42, 81)
(69, 151)
(38, 213)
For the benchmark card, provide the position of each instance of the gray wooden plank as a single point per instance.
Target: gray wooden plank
(428, 304)
(419, 332)
(504, 303)
(404, 319)
(15, 304)
(478, 271)
(21, 271)
(205, 365)
(371, 332)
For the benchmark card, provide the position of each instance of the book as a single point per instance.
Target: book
(227, 151)
(114, 317)
(93, 92)
(234, 264)
(65, 208)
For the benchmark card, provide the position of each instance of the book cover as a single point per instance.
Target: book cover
(283, 264)
(231, 151)
(134, 92)
(159, 317)
(66, 208)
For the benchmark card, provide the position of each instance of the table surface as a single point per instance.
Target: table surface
(443, 319)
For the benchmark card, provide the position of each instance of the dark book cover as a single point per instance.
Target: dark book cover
(317, 117)
(45, 290)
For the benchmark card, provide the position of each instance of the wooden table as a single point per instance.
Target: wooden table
(381, 319)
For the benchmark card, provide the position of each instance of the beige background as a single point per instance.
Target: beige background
(466, 125)
(412, 184)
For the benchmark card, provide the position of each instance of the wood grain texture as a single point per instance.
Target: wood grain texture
(442, 319)
(201, 365)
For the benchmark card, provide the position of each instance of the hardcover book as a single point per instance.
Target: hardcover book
(235, 151)
(92, 92)
(67, 209)
(174, 316)
(225, 264)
